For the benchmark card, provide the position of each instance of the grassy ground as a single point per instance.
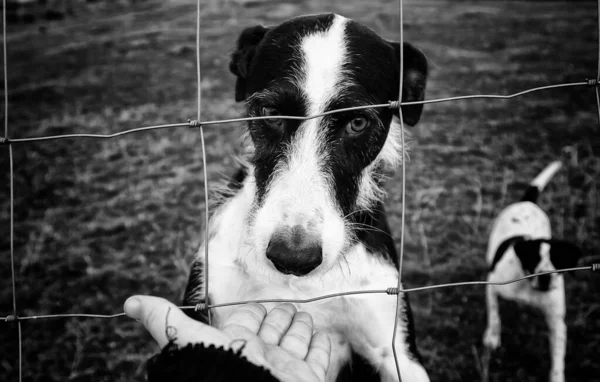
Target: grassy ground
(97, 221)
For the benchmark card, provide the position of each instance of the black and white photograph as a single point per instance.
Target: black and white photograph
(300, 190)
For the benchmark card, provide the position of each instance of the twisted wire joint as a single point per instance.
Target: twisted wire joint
(4, 140)
(392, 291)
(596, 267)
(194, 123)
(591, 81)
(201, 306)
(11, 318)
(394, 105)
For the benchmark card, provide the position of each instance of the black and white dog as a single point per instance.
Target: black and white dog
(305, 216)
(521, 243)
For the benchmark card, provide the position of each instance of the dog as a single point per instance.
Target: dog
(521, 244)
(304, 216)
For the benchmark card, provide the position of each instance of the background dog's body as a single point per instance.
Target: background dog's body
(520, 244)
(305, 216)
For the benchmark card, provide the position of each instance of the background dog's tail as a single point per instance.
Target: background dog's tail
(539, 182)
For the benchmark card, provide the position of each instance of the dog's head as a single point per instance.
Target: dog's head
(312, 175)
(545, 255)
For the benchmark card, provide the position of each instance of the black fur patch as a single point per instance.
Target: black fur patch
(238, 178)
(358, 370)
(531, 194)
(528, 252)
(503, 247)
(193, 293)
(235, 183)
(544, 283)
(562, 255)
(243, 56)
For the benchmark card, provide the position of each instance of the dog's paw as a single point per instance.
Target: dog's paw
(491, 339)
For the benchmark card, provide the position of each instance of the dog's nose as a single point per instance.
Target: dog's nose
(295, 251)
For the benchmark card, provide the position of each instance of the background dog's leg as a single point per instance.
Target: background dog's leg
(553, 306)
(491, 337)
(558, 344)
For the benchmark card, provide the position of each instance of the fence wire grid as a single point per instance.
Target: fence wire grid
(199, 124)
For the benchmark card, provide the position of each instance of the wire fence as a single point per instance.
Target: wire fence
(199, 124)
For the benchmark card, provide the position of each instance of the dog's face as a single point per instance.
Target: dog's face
(545, 255)
(312, 176)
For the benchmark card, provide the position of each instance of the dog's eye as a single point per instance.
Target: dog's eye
(357, 125)
(269, 111)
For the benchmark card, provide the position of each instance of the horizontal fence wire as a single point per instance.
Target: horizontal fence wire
(597, 91)
(392, 104)
(197, 123)
(388, 291)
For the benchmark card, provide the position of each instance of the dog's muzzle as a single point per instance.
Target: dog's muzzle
(295, 251)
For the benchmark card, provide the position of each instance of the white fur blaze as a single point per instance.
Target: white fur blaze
(300, 191)
(323, 56)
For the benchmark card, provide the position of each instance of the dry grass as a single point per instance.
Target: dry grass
(99, 221)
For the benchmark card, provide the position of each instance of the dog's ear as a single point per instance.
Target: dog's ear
(413, 81)
(564, 254)
(242, 57)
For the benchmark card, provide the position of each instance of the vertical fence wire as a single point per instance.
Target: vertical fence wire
(4, 54)
(12, 194)
(204, 169)
(206, 198)
(12, 259)
(598, 73)
(399, 296)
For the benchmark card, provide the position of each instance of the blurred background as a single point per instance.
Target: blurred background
(97, 221)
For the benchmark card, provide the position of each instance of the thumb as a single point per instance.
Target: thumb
(165, 321)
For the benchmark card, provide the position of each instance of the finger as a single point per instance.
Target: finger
(318, 354)
(245, 319)
(276, 323)
(297, 338)
(243, 324)
(164, 321)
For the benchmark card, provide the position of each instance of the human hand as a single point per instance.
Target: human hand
(282, 340)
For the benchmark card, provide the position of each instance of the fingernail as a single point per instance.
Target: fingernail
(132, 308)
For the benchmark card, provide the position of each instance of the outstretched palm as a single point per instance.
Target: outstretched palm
(282, 340)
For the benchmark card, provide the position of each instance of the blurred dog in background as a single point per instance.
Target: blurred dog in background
(521, 244)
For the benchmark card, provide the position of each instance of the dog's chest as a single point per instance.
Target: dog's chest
(233, 283)
(347, 320)
(359, 323)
